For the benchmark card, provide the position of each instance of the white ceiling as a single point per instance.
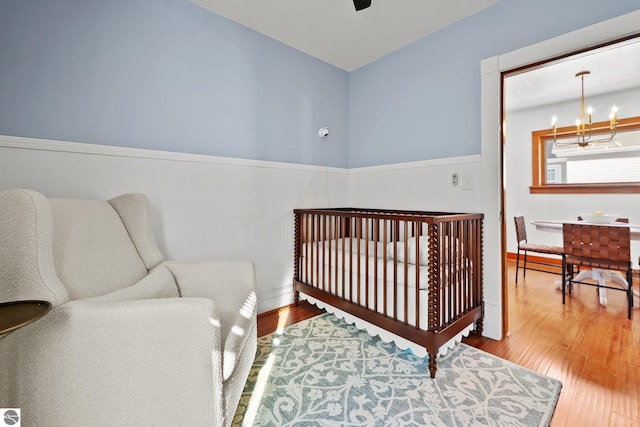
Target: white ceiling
(613, 68)
(332, 31)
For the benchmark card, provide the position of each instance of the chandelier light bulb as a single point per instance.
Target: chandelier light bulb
(613, 117)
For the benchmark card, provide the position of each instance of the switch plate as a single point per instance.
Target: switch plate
(466, 180)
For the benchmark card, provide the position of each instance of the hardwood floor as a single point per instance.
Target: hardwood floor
(593, 350)
(277, 319)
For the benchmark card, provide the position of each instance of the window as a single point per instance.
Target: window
(611, 167)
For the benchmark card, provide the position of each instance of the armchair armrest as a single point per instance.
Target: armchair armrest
(155, 362)
(231, 286)
(214, 278)
(230, 281)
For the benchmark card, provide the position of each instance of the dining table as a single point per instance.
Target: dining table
(601, 275)
(556, 226)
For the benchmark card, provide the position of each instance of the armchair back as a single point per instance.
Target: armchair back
(27, 269)
(92, 250)
(67, 249)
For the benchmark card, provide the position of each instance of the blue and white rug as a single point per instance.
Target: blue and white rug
(324, 372)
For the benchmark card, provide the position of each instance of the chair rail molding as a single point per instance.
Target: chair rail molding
(109, 150)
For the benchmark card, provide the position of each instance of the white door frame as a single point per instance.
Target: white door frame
(491, 151)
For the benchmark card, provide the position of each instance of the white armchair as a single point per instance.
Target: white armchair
(131, 339)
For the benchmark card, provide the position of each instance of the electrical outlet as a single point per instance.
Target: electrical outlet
(454, 179)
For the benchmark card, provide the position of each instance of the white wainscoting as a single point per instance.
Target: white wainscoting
(207, 207)
(424, 185)
(427, 185)
(204, 207)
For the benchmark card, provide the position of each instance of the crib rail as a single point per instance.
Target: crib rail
(402, 270)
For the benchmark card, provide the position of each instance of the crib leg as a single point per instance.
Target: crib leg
(479, 327)
(296, 297)
(433, 364)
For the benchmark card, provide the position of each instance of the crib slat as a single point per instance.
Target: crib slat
(376, 238)
(396, 229)
(405, 271)
(385, 256)
(343, 242)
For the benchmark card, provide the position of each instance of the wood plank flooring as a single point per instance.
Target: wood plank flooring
(593, 350)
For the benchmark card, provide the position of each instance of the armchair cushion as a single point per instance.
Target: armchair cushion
(158, 284)
(92, 251)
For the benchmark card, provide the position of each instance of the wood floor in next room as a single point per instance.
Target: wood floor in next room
(593, 350)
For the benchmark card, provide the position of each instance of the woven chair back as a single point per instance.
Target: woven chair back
(602, 246)
(521, 229)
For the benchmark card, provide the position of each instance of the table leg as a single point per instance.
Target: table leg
(601, 276)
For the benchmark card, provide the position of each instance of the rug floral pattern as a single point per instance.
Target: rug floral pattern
(324, 372)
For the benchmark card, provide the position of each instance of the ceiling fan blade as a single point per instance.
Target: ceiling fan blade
(361, 4)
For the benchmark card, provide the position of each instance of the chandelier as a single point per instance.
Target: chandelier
(584, 127)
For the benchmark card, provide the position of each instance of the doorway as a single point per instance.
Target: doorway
(533, 99)
(493, 139)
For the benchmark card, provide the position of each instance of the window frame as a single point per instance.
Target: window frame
(539, 161)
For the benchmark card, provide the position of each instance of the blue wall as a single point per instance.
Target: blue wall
(423, 101)
(169, 75)
(166, 75)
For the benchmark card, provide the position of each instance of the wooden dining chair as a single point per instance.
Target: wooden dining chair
(525, 246)
(603, 248)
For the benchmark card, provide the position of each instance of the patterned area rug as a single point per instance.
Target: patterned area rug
(324, 372)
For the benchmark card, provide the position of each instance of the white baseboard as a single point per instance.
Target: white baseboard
(273, 299)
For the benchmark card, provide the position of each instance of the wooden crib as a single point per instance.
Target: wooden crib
(409, 276)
